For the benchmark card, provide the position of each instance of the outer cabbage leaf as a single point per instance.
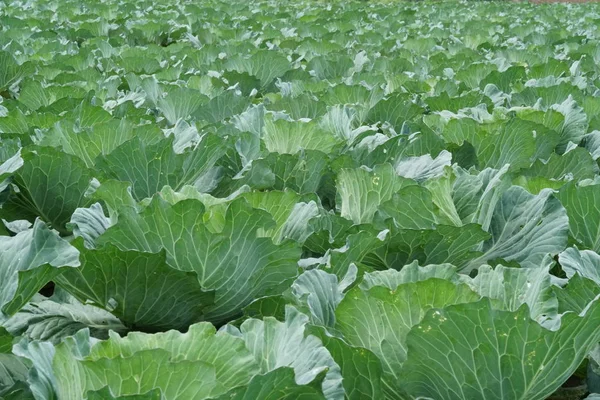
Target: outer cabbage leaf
(11, 70)
(476, 196)
(225, 105)
(581, 203)
(302, 172)
(139, 288)
(291, 214)
(28, 261)
(423, 167)
(284, 344)
(525, 228)
(278, 384)
(235, 263)
(13, 370)
(515, 144)
(445, 244)
(290, 137)
(100, 139)
(586, 263)
(198, 364)
(106, 394)
(512, 287)
(149, 167)
(379, 319)
(50, 185)
(361, 369)
(475, 351)
(321, 293)
(362, 191)
(61, 315)
(411, 208)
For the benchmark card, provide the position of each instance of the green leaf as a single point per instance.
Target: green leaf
(99, 139)
(39, 355)
(291, 215)
(525, 228)
(441, 195)
(356, 247)
(16, 122)
(362, 191)
(268, 306)
(302, 172)
(423, 167)
(6, 341)
(89, 223)
(445, 244)
(290, 137)
(180, 103)
(514, 144)
(284, 344)
(391, 279)
(321, 293)
(146, 370)
(52, 319)
(139, 288)
(513, 287)
(51, 185)
(278, 384)
(198, 364)
(476, 195)
(13, 370)
(581, 204)
(34, 95)
(459, 130)
(361, 369)
(265, 65)
(11, 70)
(231, 363)
(447, 349)
(235, 263)
(225, 105)
(330, 68)
(445, 102)
(575, 123)
(396, 110)
(88, 115)
(535, 185)
(28, 261)
(411, 208)
(8, 167)
(19, 391)
(303, 106)
(149, 167)
(586, 263)
(106, 393)
(576, 297)
(244, 81)
(576, 164)
(379, 319)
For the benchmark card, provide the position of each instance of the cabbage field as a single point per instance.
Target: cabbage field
(267, 200)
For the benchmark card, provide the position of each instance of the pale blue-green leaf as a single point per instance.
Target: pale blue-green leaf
(423, 167)
(379, 319)
(28, 261)
(525, 228)
(284, 344)
(521, 359)
(89, 223)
